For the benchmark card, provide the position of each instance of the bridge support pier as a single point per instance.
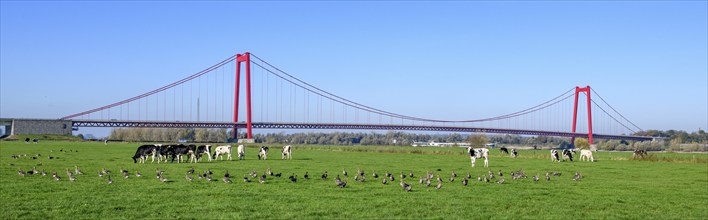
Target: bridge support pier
(578, 90)
(246, 57)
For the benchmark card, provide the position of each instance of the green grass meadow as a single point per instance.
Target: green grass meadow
(665, 186)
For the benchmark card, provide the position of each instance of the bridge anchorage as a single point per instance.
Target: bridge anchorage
(211, 99)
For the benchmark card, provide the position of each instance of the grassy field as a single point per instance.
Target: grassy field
(668, 186)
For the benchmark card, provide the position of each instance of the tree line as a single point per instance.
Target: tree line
(672, 140)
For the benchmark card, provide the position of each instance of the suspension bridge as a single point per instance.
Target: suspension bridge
(212, 98)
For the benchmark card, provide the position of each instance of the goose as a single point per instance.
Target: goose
(254, 174)
(376, 176)
(500, 181)
(306, 176)
(21, 172)
(344, 172)
(465, 181)
(188, 178)
(68, 172)
(359, 171)
(227, 175)
(190, 171)
(324, 175)
(452, 179)
(427, 183)
(44, 173)
(77, 170)
(269, 172)
(208, 178)
(421, 180)
(384, 181)
(339, 182)
(454, 174)
(138, 174)
(388, 174)
(405, 186)
(410, 174)
(469, 176)
(72, 178)
(245, 179)
(125, 175)
(262, 179)
(479, 178)
(293, 179)
(500, 173)
(439, 185)
(100, 174)
(356, 178)
(226, 180)
(439, 179)
(403, 176)
(278, 174)
(548, 177)
(535, 178)
(163, 179)
(110, 181)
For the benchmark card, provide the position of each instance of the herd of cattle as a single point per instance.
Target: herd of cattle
(194, 153)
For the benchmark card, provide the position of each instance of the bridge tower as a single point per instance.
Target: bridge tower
(586, 90)
(246, 57)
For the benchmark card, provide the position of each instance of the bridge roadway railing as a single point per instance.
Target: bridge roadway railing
(272, 125)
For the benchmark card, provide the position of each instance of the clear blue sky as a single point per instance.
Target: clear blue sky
(648, 59)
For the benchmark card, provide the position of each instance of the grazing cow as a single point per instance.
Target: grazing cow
(568, 154)
(639, 153)
(241, 152)
(554, 155)
(503, 150)
(35, 140)
(514, 153)
(479, 153)
(263, 153)
(287, 153)
(163, 152)
(179, 150)
(221, 150)
(587, 154)
(204, 149)
(142, 152)
(27, 140)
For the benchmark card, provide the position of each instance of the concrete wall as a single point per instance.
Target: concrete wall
(41, 126)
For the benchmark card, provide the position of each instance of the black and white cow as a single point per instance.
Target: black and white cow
(514, 153)
(241, 152)
(263, 153)
(479, 153)
(204, 149)
(554, 156)
(27, 140)
(163, 152)
(223, 150)
(287, 152)
(179, 150)
(35, 140)
(503, 150)
(568, 154)
(143, 152)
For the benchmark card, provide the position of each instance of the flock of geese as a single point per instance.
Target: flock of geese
(425, 180)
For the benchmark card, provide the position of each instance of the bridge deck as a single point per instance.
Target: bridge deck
(270, 125)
